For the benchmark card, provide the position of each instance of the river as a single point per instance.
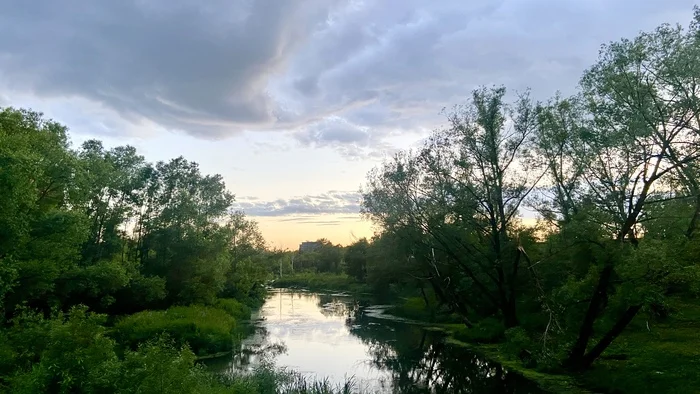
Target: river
(337, 337)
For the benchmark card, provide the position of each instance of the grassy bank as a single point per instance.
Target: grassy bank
(205, 329)
(663, 358)
(321, 282)
(147, 352)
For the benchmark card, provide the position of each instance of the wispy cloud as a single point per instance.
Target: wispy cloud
(330, 203)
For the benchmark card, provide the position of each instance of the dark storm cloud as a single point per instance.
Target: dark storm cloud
(344, 74)
(332, 202)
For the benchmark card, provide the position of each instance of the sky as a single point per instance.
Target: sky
(294, 101)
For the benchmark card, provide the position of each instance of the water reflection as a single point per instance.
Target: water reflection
(337, 337)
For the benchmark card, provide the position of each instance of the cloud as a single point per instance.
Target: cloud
(330, 203)
(201, 68)
(351, 140)
(343, 74)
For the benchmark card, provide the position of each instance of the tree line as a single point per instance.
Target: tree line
(612, 173)
(101, 252)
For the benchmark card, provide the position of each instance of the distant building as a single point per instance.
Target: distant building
(309, 246)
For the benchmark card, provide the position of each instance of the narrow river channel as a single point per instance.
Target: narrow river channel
(337, 337)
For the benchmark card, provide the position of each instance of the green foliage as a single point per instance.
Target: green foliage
(323, 257)
(104, 228)
(413, 308)
(519, 344)
(206, 330)
(73, 356)
(356, 259)
(233, 307)
(487, 330)
(616, 168)
(654, 360)
(160, 366)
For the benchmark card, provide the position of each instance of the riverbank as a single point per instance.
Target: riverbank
(644, 359)
(332, 335)
(659, 358)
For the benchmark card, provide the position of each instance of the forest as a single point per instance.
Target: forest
(564, 232)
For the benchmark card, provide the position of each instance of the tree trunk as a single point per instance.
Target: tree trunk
(510, 317)
(586, 330)
(609, 337)
(427, 302)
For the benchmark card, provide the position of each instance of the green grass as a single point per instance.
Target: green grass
(205, 329)
(663, 359)
(321, 281)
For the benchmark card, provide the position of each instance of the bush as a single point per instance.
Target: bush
(7, 356)
(207, 330)
(519, 344)
(233, 307)
(75, 357)
(413, 308)
(159, 366)
(488, 330)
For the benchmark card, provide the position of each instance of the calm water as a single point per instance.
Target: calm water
(338, 337)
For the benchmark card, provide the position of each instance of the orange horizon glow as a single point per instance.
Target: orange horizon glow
(288, 232)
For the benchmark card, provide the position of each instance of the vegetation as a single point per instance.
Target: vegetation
(611, 263)
(102, 253)
(116, 273)
(77, 356)
(206, 330)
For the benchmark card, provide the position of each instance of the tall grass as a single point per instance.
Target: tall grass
(267, 379)
(205, 329)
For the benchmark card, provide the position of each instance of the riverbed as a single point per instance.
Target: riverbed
(340, 337)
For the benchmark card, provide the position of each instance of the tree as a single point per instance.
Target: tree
(461, 194)
(643, 99)
(356, 259)
(40, 238)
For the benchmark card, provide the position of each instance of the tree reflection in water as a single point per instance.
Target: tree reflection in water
(419, 361)
(395, 356)
(248, 354)
(333, 305)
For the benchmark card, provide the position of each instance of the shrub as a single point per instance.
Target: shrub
(159, 366)
(76, 357)
(413, 308)
(488, 330)
(206, 329)
(234, 308)
(519, 344)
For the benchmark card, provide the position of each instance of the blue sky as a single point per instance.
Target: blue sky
(293, 101)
